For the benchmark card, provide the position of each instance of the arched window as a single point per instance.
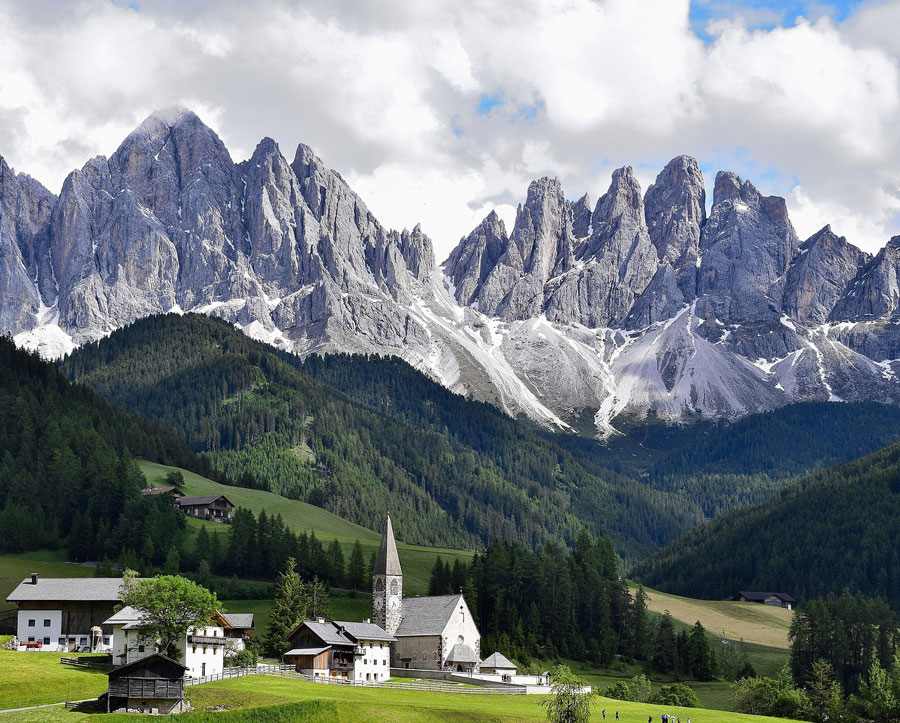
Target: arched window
(395, 589)
(379, 585)
(460, 640)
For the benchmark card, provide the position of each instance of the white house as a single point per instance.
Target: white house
(65, 614)
(340, 650)
(202, 650)
(498, 664)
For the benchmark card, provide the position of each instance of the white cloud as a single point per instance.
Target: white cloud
(389, 96)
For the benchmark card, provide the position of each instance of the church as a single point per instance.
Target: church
(432, 633)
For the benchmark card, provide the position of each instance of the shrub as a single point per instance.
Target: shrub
(675, 694)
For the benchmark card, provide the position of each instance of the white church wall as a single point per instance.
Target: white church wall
(461, 629)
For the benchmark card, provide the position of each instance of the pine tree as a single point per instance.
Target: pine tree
(335, 563)
(701, 658)
(317, 600)
(640, 626)
(291, 606)
(357, 579)
(664, 652)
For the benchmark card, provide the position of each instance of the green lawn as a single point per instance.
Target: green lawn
(38, 678)
(15, 568)
(416, 561)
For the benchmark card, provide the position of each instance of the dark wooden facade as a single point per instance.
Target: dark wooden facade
(155, 683)
(340, 655)
(77, 617)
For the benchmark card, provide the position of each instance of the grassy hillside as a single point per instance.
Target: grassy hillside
(753, 623)
(47, 563)
(417, 561)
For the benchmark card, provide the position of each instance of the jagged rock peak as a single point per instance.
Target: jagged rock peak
(675, 209)
(475, 256)
(581, 217)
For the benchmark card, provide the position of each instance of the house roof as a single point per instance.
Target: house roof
(143, 662)
(760, 596)
(207, 500)
(498, 660)
(326, 632)
(307, 651)
(387, 562)
(427, 615)
(65, 589)
(161, 490)
(462, 653)
(130, 618)
(240, 621)
(365, 631)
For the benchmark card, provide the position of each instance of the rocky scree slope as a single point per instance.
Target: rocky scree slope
(638, 303)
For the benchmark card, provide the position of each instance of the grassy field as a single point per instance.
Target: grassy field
(416, 561)
(38, 678)
(15, 568)
(762, 625)
(255, 699)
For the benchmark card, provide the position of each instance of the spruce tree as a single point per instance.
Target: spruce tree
(701, 658)
(664, 653)
(291, 605)
(357, 578)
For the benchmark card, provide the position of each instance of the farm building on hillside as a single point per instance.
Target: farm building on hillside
(154, 684)
(212, 507)
(175, 493)
(340, 651)
(65, 614)
(776, 599)
(201, 649)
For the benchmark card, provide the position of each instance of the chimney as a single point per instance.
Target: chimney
(320, 620)
(367, 621)
(34, 578)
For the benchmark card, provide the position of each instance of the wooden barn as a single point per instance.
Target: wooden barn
(154, 684)
(212, 507)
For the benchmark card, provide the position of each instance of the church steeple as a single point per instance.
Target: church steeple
(387, 583)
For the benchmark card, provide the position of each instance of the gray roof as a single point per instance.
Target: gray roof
(462, 653)
(209, 499)
(307, 651)
(763, 595)
(239, 620)
(366, 631)
(387, 562)
(125, 616)
(63, 589)
(427, 615)
(498, 660)
(326, 632)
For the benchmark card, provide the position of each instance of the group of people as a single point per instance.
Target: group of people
(666, 718)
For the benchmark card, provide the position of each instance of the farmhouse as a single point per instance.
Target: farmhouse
(65, 614)
(239, 630)
(154, 684)
(202, 649)
(173, 492)
(778, 599)
(340, 651)
(212, 507)
(432, 633)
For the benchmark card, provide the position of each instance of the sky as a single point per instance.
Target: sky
(437, 112)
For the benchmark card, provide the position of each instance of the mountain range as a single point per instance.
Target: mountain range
(581, 316)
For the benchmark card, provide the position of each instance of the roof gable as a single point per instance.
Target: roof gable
(428, 615)
(65, 589)
(498, 660)
(157, 660)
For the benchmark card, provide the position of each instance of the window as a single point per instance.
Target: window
(61, 641)
(30, 640)
(106, 640)
(204, 650)
(140, 648)
(46, 622)
(394, 587)
(46, 641)
(379, 585)
(365, 661)
(82, 641)
(31, 623)
(215, 650)
(194, 649)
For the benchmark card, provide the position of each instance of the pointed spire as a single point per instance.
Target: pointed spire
(387, 562)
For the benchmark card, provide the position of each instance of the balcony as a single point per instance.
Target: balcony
(359, 650)
(205, 640)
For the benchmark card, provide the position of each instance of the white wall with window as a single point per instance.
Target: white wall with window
(373, 663)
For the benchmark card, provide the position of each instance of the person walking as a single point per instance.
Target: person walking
(604, 713)
(617, 715)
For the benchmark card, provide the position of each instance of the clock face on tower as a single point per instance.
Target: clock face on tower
(378, 603)
(393, 605)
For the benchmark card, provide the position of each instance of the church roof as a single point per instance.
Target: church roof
(387, 562)
(462, 653)
(498, 660)
(427, 615)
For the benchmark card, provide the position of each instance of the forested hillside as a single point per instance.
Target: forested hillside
(832, 529)
(67, 471)
(451, 471)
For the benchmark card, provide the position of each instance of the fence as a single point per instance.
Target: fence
(94, 663)
(228, 673)
(421, 686)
